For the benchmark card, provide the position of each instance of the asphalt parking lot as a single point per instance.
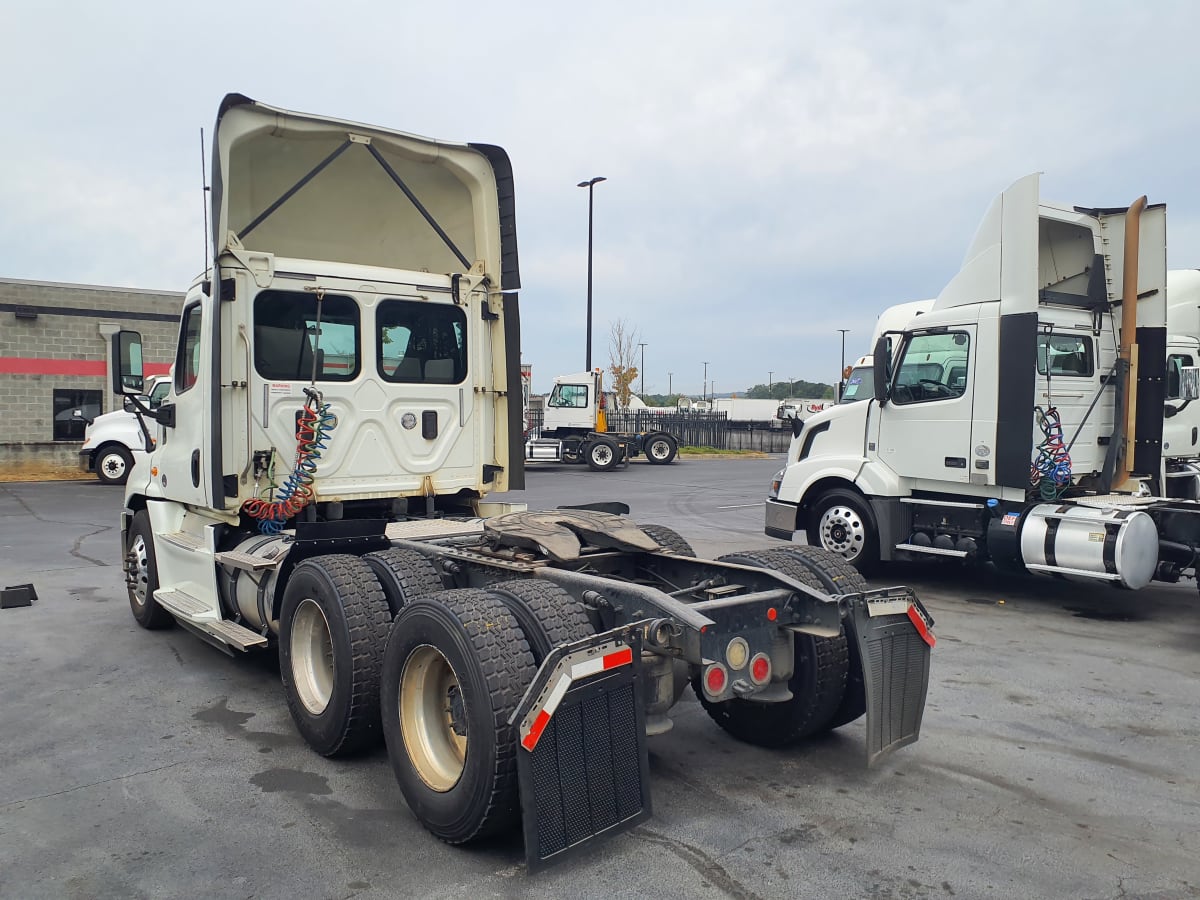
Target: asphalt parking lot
(1059, 754)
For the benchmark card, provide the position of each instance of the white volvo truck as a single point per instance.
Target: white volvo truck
(1020, 419)
(345, 395)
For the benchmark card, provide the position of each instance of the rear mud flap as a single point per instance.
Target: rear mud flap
(582, 763)
(894, 636)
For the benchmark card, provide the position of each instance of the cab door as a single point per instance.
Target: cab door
(925, 426)
(185, 427)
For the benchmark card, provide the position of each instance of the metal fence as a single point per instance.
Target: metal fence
(695, 429)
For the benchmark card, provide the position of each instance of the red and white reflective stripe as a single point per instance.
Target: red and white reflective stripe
(576, 672)
(923, 629)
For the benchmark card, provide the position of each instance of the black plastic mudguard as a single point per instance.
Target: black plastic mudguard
(582, 762)
(894, 636)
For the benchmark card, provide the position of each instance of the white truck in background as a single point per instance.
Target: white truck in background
(115, 441)
(958, 454)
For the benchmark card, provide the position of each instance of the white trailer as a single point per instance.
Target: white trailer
(345, 396)
(1020, 419)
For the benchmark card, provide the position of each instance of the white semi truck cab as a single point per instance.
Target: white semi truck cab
(1019, 419)
(345, 395)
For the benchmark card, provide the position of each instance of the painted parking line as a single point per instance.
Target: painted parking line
(741, 506)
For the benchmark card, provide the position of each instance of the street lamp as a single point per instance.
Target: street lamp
(670, 388)
(590, 185)
(843, 368)
(770, 384)
(642, 370)
(704, 393)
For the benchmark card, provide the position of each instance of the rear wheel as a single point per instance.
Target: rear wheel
(669, 539)
(841, 523)
(141, 575)
(547, 615)
(661, 449)
(113, 463)
(454, 671)
(818, 681)
(332, 629)
(403, 574)
(602, 454)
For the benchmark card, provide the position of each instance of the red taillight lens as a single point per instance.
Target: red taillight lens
(760, 669)
(715, 679)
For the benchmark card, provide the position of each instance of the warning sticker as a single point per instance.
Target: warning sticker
(1096, 537)
(1009, 519)
(279, 387)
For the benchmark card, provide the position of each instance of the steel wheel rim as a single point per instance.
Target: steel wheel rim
(139, 571)
(843, 531)
(430, 704)
(312, 656)
(660, 449)
(113, 465)
(602, 454)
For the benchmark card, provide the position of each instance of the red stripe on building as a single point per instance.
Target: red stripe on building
(96, 368)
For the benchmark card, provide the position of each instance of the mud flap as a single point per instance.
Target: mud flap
(582, 763)
(894, 636)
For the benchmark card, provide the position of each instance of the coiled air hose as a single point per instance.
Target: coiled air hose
(1050, 471)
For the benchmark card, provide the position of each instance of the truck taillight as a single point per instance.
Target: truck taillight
(760, 668)
(737, 652)
(715, 679)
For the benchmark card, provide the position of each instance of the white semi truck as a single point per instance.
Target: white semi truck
(1020, 419)
(115, 441)
(345, 395)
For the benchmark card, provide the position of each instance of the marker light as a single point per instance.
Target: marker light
(715, 679)
(760, 669)
(737, 653)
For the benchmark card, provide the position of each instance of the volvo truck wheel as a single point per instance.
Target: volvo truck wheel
(454, 671)
(841, 523)
(818, 681)
(141, 575)
(403, 574)
(669, 539)
(332, 629)
(113, 463)
(547, 615)
(602, 454)
(837, 577)
(660, 449)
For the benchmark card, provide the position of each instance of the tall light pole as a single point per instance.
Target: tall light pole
(771, 384)
(670, 388)
(590, 185)
(642, 368)
(838, 393)
(704, 393)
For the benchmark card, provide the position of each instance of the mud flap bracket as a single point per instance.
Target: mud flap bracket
(894, 635)
(582, 762)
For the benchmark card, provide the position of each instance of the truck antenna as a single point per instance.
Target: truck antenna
(204, 194)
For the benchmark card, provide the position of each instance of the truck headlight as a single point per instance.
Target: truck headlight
(776, 481)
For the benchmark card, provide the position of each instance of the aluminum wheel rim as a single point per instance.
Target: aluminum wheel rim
(602, 454)
(843, 531)
(113, 465)
(660, 449)
(138, 576)
(429, 714)
(312, 657)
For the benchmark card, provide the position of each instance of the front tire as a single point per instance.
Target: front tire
(141, 575)
(841, 523)
(602, 454)
(661, 449)
(332, 630)
(454, 671)
(113, 464)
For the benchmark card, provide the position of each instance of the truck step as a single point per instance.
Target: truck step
(932, 551)
(236, 559)
(234, 635)
(182, 604)
(184, 539)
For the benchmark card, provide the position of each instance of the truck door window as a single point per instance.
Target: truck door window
(187, 358)
(1175, 362)
(860, 385)
(1069, 355)
(573, 396)
(285, 336)
(934, 366)
(421, 343)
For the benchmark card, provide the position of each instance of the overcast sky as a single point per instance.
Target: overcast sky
(776, 171)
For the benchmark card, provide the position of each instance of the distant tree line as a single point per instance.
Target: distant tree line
(781, 390)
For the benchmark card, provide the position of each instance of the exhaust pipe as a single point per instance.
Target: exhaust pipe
(1129, 346)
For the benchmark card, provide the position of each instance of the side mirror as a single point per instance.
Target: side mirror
(881, 370)
(797, 426)
(127, 372)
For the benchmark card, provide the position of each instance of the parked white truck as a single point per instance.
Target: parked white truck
(1020, 419)
(113, 442)
(345, 395)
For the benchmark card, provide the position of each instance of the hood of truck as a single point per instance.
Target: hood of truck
(302, 186)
